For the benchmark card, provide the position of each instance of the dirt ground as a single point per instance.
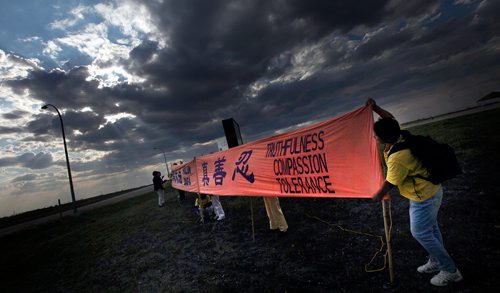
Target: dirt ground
(168, 250)
(314, 255)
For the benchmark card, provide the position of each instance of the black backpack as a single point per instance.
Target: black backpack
(439, 159)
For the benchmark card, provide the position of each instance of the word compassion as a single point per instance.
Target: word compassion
(300, 164)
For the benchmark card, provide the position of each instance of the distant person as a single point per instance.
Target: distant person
(203, 207)
(159, 187)
(404, 171)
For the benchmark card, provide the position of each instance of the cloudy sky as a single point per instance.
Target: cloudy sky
(129, 76)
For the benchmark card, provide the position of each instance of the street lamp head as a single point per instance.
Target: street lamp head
(45, 107)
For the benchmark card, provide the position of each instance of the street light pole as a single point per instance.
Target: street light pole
(165, 157)
(67, 158)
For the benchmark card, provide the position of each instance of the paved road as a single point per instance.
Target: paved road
(33, 223)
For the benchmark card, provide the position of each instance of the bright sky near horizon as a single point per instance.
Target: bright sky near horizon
(130, 76)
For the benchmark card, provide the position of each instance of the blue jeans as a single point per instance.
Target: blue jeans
(425, 229)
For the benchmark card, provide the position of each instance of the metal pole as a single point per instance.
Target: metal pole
(166, 165)
(165, 158)
(67, 158)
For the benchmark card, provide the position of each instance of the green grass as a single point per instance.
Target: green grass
(475, 137)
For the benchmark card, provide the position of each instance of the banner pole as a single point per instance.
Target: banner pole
(388, 240)
(196, 174)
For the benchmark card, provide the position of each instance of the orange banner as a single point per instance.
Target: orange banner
(335, 158)
(184, 177)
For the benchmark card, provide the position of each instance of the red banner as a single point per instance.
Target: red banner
(335, 158)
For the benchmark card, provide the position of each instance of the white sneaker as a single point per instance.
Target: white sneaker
(428, 267)
(220, 218)
(444, 278)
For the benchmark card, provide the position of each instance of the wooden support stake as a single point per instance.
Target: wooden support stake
(388, 241)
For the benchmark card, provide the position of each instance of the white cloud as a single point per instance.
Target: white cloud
(110, 76)
(15, 67)
(77, 14)
(115, 117)
(30, 39)
(133, 19)
(93, 41)
(52, 49)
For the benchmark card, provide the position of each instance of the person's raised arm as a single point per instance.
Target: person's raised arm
(381, 112)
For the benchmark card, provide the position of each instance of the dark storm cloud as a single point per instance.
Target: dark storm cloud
(38, 161)
(15, 115)
(27, 177)
(28, 160)
(50, 123)
(218, 49)
(123, 130)
(63, 89)
(7, 130)
(144, 52)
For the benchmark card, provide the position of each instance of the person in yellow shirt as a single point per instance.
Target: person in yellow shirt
(204, 207)
(406, 172)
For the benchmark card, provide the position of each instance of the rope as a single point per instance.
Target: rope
(367, 269)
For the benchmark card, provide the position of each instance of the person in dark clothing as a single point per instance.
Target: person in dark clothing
(158, 187)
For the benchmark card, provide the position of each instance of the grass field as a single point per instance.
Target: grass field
(135, 246)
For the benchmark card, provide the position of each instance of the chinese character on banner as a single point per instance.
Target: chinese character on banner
(187, 181)
(219, 173)
(242, 167)
(205, 178)
(177, 177)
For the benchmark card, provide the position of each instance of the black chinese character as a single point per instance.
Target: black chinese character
(219, 173)
(242, 167)
(205, 178)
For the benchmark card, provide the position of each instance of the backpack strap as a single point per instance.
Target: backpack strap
(403, 146)
(398, 147)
